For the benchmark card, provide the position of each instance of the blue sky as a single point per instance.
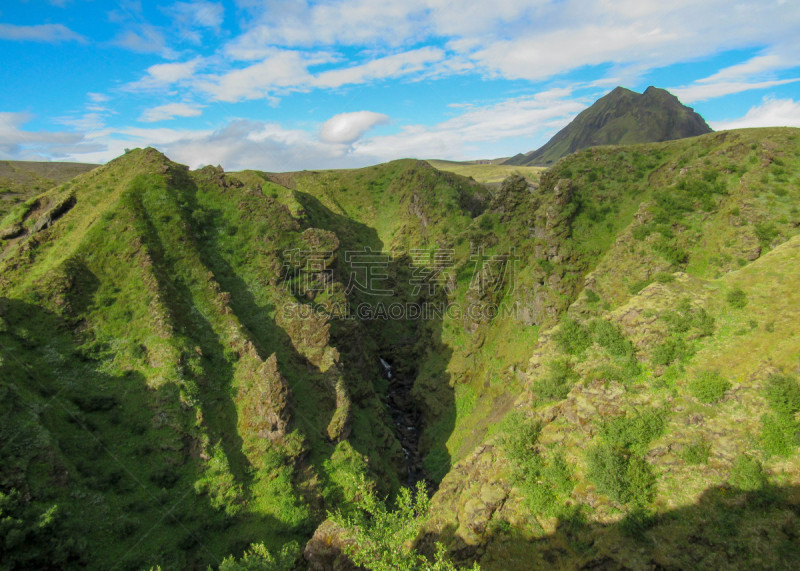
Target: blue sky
(292, 84)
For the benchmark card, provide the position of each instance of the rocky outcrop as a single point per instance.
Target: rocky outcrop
(325, 551)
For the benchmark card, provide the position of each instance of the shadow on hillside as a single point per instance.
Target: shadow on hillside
(361, 343)
(216, 378)
(726, 529)
(117, 458)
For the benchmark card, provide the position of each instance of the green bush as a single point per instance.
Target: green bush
(550, 485)
(546, 481)
(258, 558)
(616, 465)
(747, 474)
(521, 436)
(783, 394)
(572, 338)
(381, 539)
(737, 298)
(780, 431)
(634, 432)
(685, 317)
(622, 476)
(638, 286)
(557, 382)
(780, 434)
(672, 349)
(608, 336)
(697, 453)
(709, 386)
(766, 233)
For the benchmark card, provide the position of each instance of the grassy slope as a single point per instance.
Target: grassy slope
(487, 173)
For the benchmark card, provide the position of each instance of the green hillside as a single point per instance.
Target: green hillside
(622, 117)
(196, 361)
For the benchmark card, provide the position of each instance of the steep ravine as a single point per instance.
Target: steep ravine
(407, 420)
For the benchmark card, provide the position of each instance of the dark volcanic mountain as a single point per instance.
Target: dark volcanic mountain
(619, 118)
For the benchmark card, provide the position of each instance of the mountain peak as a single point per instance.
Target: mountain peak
(620, 117)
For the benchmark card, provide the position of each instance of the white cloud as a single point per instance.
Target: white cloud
(771, 113)
(754, 66)
(281, 70)
(193, 18)
(144, 38)
(42, 33)
(352, 22)
(346, 128)
(340, 142)
(170, 111)
(98, 97)
(253, 144)
(18, 144)
(164, 74)
(381, 68)
(704, 91)
(469, 134)
(199, 14)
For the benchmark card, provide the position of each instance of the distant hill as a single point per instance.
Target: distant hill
(622, 117)
(19, 180)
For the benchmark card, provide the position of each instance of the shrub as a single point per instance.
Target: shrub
(556, 384)
(672, 349)
(783, 394)
(624, 477)
(382, 539)
(638, 286)
(709, 386)
(685, 318)
(780, 434)
(259, 558)
(521, 437)
(634, 432)
(780, 431)
(737, 298)
(609, 336)
(572, 338)
(747, 474)
(766, 233)
(546, 481)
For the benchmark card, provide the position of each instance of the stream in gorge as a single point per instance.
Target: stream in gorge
(407, 420)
